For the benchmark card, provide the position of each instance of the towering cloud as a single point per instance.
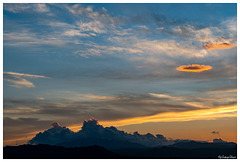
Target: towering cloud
(94, 133)
(52, 136)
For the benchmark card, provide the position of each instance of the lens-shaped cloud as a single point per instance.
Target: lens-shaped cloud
(194, 68)
(219, 46)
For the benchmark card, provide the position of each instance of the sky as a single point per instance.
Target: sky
(158, 68)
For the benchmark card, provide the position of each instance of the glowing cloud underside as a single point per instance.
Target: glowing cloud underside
(219, 46)
(194, 68)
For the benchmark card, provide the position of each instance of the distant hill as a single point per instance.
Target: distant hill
(56, 152)
(108, 144)
(198, 145)
(184, 150)
(98, 152)
(200, 153)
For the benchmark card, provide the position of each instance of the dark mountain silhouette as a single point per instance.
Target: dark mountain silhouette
(184, 150)
(96, 141)
(200, 153)
(93, 152)
(198, 145)
(108, 144)
(56, 152)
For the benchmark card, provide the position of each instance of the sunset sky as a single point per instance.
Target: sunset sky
(157, 68)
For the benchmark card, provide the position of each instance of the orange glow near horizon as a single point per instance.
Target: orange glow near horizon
(202, 114)
(219, 46)
(193, 68)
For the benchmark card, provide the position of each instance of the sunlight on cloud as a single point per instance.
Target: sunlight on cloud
(165, 96)
(75, 33)
(219, 46)
(18, 82)
(26, 75)
(91, 96)
(202, 114)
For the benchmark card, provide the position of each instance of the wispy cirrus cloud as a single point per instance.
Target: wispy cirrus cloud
(93, 13)
(222, 36)
(27, 38)
(97, 21)
(163, 47)
(165, 96)
(26, 75)
(21, 7)
(81, 10)
(97, 50)
(18, 80)
(73, 32)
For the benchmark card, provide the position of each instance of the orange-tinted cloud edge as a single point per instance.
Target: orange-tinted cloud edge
(219, 46)
(194, 68)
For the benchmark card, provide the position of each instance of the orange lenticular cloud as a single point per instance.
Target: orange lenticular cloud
(194, 68)
(219, 46)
